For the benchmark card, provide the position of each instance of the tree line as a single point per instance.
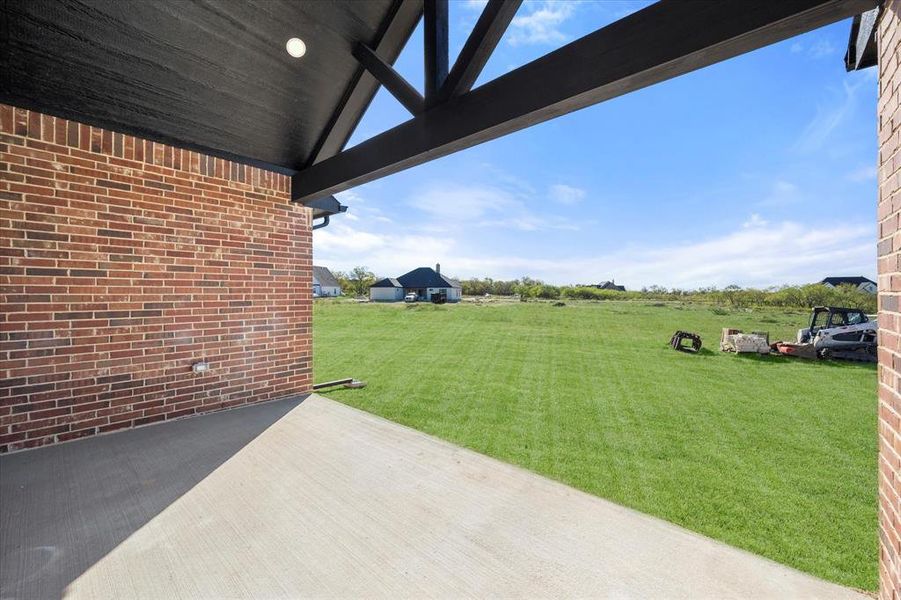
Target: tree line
(797, 296)
(357, 281)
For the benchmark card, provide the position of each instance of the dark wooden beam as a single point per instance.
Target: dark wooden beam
(399, 27)
(662, 41)
(485, 37)
(435, 47)
(399, 87)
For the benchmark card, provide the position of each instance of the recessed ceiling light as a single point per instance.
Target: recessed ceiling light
(296, 47)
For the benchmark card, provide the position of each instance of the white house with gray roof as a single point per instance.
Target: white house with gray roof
(324, 283)
(424, 282)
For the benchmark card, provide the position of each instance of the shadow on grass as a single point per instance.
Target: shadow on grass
(703, 352)
(786, 360)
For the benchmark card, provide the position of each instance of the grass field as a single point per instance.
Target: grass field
(773, 455)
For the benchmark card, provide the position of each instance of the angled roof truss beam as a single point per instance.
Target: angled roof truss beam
(399, 27)
(393, 81)
(485, 36)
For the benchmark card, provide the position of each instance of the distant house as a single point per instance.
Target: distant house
(424, 282)
(386, 290)
(861, 283)
(610, 285)
(324, 283)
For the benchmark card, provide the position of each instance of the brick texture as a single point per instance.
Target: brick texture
(123, 262)
(889, 258)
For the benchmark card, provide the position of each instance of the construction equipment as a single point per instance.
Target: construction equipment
(796, 350)
(685, 341)
(833, 332)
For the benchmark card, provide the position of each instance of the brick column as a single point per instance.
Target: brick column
(122, 263)
(889, 252)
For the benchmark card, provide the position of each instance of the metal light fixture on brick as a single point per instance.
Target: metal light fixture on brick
(296, 47)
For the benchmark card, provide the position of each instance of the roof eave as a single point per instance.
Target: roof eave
(862, 52)
(326, 207)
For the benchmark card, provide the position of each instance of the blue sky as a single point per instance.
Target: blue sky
(756, 171)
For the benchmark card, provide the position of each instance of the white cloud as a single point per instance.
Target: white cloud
(454, 202)
(514, 183)
(816, 49)
(530, 222)
(865, 173)
(821, 49)
(358, 209)
(781, 194)
(342, 247)
(759, 255)
(566, 194)
(829, 117)
(542, 24)
(452, 206)
(342, 238)
(785, 187)
(350, 197)
(755, 221)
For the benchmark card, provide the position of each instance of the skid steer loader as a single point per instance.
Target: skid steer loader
(843, 333)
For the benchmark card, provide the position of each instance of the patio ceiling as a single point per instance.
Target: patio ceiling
(214, 75)
(210, 76)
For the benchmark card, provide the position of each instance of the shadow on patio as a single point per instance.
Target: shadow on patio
(63, 508)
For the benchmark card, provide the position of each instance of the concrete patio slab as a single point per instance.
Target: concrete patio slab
(311, 498)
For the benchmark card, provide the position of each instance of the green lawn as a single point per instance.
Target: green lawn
(777, 456)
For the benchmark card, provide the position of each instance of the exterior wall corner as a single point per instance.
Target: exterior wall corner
(889, 283)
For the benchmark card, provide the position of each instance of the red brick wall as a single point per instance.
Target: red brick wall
(889, 251)
(123, 262)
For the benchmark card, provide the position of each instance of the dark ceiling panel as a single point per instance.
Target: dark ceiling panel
(212, 75)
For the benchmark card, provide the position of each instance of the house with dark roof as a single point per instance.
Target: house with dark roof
(610, 285)
(861, 283)
(324, 283)
(424, 282)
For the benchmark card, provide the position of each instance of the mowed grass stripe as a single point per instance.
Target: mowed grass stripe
(773, 455)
